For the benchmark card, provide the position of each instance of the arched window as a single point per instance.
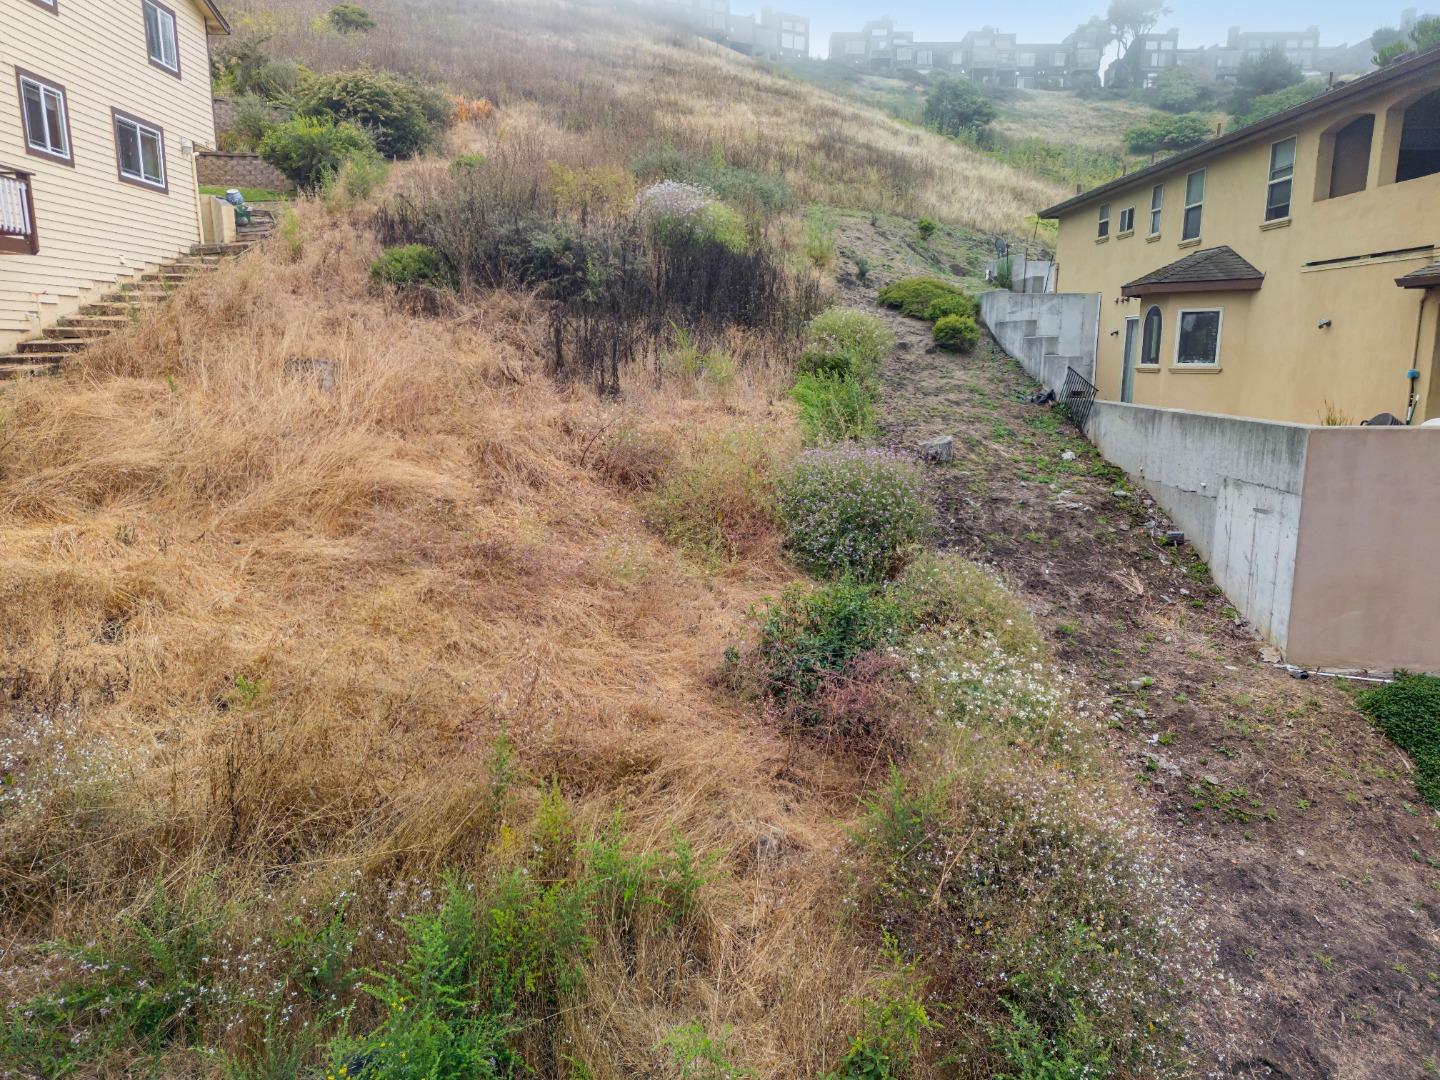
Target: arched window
(1420, 140)
(1150, 342)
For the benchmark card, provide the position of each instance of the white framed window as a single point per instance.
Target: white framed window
(140, 151)
(1197, 337)
(1127, 220)
(45, 118)
(1103, 228)
(1150, 338)
(1157, 204)
(1194, 205)
(1280, 186)
(160, 40)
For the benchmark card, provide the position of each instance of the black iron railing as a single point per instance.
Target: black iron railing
(1077, 396)
(17, 213)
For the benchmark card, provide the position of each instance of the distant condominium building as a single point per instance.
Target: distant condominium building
(771, 34)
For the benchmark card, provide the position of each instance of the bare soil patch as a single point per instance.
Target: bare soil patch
(1313, 863)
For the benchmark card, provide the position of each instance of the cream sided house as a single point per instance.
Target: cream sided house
(103, 104)
(1287, 271)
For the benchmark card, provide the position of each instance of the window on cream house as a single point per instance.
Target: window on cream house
(1197, 340)
(1194, 205)
(160, 36)
(1150, 339)
(1282, 177)
(140, 151)
(1103, 230)
(1127, 221)
(45, 117)
(1157, 204)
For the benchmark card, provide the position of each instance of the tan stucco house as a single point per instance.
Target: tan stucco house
(103, 104)
(1288, 271)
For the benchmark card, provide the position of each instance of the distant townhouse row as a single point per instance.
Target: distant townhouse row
(985, 56)
(771, 35)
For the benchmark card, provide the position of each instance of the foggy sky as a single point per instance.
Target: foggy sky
(1201, 22)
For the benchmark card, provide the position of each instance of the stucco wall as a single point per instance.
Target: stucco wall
(1366, 594)
(1045, 332)
(1283, 366)
(1233, 485)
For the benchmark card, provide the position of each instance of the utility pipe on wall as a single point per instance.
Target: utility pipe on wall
(1414, 373)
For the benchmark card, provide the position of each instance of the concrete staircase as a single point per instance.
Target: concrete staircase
(118, 308)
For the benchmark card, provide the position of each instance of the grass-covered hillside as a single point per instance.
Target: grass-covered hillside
(478, 633)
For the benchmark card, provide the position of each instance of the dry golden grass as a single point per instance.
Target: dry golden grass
(297, 620)
(618, 85)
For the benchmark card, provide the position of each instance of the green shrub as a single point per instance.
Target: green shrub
(958, 304)
(926, 228)
(309, 150)
(862, 269)
(1408, 711)
(848, 511)
(1073, 1051)
(359, 176)
(721, 504)
(946, 592)
(958, 332)
(241, 66)
(410, 266)
(843, 341)
(713, 224)
(401, 117)
(349, 19)
(893, 1020)
(818, 241)
(1169, 133)
(697, 1055)
(833, 408)
(466, 163)
(913, 296)
(756, 195)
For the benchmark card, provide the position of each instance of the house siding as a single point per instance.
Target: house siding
(1276, 360)
(93, 229)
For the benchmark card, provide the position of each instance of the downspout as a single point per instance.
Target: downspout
(1414, 372)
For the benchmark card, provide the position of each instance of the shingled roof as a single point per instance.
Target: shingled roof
(1426, 277)
(1216, 269)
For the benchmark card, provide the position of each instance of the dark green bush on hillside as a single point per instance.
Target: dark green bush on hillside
(401, 117)
(958, 332)
(413, 264)
(1408, 711)
(845, 342)
(954, 107)
(1169, 133)
(309, 150)
(915, 296)
(1269, 104)
(958, 304)
(349, 19)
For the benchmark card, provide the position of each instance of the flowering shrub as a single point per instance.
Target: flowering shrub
(945, 592)
(958, 332)
(833, 408)
(671, 199)
(848, 511)
(842, 341)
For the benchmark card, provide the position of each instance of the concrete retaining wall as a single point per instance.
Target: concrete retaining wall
(1234, 485)
(1045, 332)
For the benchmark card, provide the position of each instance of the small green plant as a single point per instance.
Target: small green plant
(1408, 711)
(926, 228)
(467, 163)
(958, 304)
(843, 341)
(819, 237)
(410, 266)
(291, 236)
(893, 1020)
(913, 296)
(1074, 1052)
(697, 1055)
(848, 511)
(310, 149)
(833, 408)
(349, 19)
(721, 503)
(1004, 274)
(959, 333)
(862, 269)
(359, 176)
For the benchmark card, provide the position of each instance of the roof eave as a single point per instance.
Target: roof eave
(1161, 288)
(216, 25)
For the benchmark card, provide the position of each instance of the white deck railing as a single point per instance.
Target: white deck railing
(17, 222)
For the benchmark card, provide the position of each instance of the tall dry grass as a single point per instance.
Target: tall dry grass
(262, 636)
(617, 85)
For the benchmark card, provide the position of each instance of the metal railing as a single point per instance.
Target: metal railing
(17, 213)
(1077, 397)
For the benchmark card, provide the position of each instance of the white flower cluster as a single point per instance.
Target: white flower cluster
(671, 199)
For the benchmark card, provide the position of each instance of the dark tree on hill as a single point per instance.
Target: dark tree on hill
(1263, 75)
(1129, 20)
(1181, 90)
(954, 107)
(1391, 45)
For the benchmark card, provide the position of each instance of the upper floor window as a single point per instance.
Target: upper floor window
(1157, 203)
(1281, 183)
(1350, 156)
(1420, 140)
(1127, 221)
(46, 119)
(1194, 205)
(140, 151)
(160, 36)
(1104, 227)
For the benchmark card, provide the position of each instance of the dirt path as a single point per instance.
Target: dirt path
(1313, 862)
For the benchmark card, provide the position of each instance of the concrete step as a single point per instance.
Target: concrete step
(89, 317)
(75, 333)
(220, 249)
(49, 345)
(24, 371)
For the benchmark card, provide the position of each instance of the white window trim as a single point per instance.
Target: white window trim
(1271, 181)
(1127, 229)
(45, 149)
(1102, 224)
(1157, 207)
(163, 18)
(1204, 183)
(140, 178)
(1179, 332)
